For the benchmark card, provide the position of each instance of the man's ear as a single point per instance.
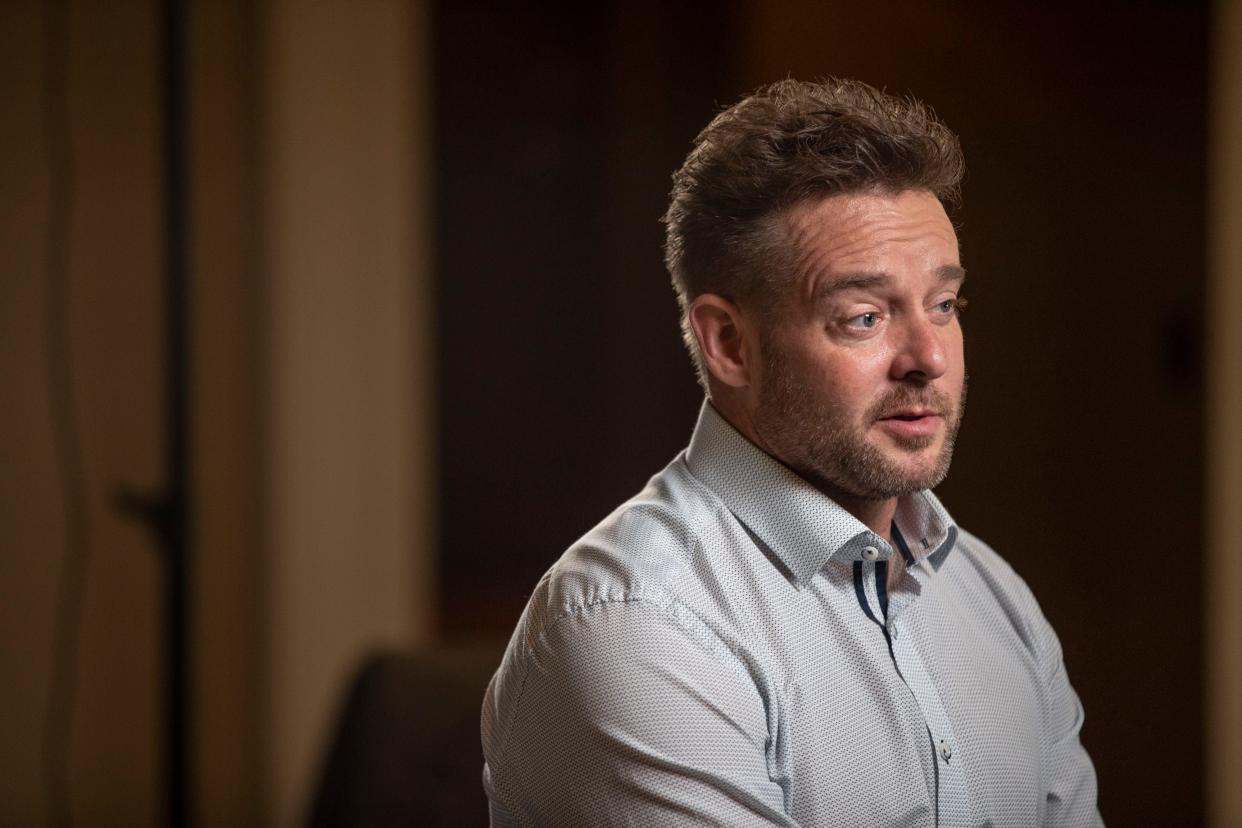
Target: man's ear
(726, 340)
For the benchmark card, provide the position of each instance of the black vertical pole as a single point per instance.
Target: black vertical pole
(168, 513)
(176, 529)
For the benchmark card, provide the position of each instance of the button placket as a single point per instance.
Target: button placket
(952, 793)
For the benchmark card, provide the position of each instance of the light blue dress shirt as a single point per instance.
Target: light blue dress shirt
(722, 650)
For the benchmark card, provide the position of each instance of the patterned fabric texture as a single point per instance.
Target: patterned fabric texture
(722, 650)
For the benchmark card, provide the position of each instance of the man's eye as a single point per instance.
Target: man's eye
(954, 305)
(865, 320)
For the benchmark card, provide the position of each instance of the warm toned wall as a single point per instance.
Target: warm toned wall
(349, 483)
(311, 459)
(1223, 572)
(114, 318)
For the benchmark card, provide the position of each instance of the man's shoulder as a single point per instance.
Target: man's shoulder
(642, 551)
(623, 591)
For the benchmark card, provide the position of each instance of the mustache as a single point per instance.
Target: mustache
(898, 400)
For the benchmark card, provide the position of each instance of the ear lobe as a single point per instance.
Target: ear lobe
(723, 338)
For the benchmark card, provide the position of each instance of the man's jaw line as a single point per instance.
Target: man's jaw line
(874, 510)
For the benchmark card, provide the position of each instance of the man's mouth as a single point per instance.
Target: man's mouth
(911, 416)
(914, 424)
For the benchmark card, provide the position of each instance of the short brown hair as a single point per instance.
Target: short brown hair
(787, 143)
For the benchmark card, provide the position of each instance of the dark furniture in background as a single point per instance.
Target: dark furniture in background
(406, 750)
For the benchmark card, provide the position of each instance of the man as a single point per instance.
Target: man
(786, 627)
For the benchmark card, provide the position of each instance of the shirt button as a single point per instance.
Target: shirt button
(946, 752)
(870, 553)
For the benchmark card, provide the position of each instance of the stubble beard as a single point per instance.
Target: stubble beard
(820, 440)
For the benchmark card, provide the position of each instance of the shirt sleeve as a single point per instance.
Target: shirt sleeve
(1071, 797)
(624, 718)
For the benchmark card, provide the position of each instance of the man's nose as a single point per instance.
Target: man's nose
(920, 350)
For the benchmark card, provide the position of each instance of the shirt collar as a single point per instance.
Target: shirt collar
(801, 526)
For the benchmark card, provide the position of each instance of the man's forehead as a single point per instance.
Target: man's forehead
(865, 219)
(846, 234)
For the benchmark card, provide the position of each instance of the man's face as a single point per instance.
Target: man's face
(862, 380)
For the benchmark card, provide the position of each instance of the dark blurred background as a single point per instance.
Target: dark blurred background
(434, 342)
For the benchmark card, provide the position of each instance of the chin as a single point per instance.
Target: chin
(917, 477)
(921, 457)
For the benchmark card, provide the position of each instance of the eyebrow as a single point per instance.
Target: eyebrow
(870, 281)
(951, 273)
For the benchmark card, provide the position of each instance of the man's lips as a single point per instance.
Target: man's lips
(912, 422)
(911, 414)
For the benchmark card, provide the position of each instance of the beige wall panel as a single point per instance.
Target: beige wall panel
(347, 485)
